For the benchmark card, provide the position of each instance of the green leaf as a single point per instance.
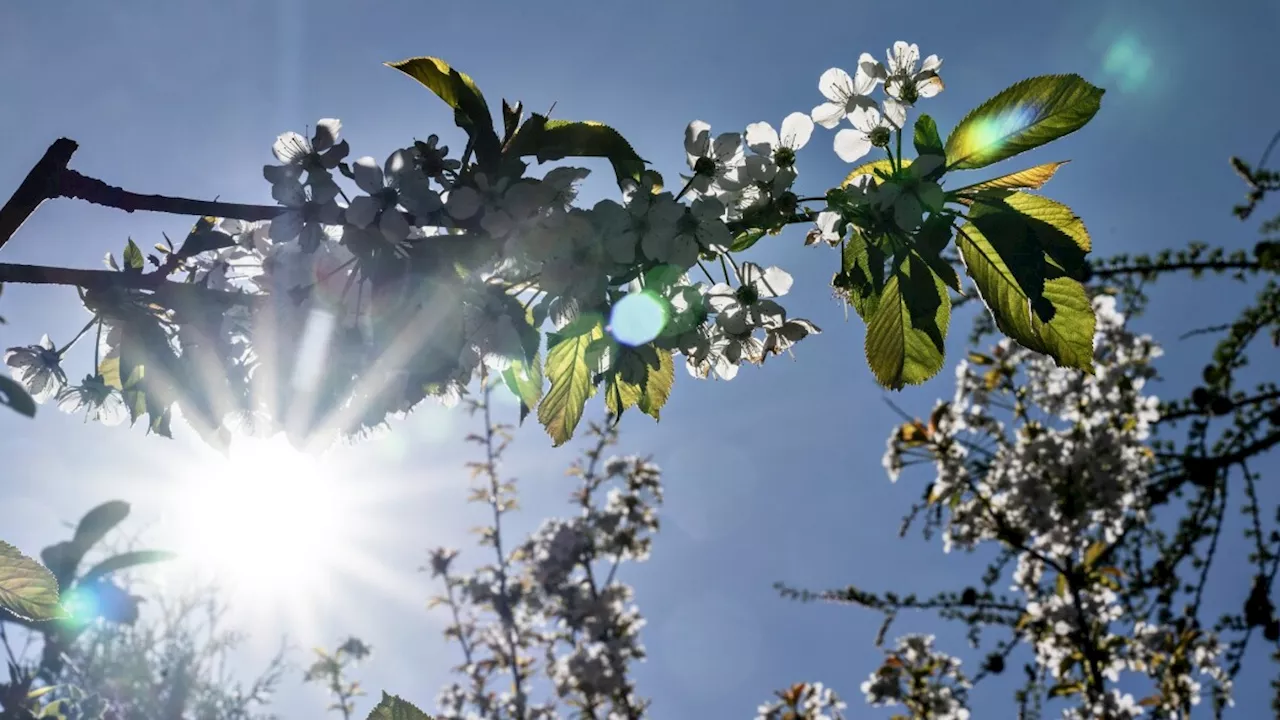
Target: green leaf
(27, 588)
(932, 238)
(658, 390)
(15, 396)
(927, 140)
(393, 707)
(1026, 115)
(511, 116)
(458, 91)
(876, 169)
(862, 274)
(570, 376)
(906, 336)
(642, 377)
(1033, 178)
(1017, 297)
(557, 139)
(133, 259)
(99, 521)
(524, 379)
(125, 560)
(1053, 227)
(746, 239)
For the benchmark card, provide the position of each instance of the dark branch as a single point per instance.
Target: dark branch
(39, 185)
(74, 185)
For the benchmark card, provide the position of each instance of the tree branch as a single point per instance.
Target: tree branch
(39, 185)
(109, 279)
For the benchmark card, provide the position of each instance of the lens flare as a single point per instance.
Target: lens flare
(1128, 62)
(638, 318)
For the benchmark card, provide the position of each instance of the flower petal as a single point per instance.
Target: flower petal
(931, 64)
(368, 175)
(728, 148)
(895, 111)
(773, 281)
(871, 67)
(836, 85)
(290, 194)
(697, 138)
(852, 145)
(797, 128)
(760, 169)
(393, 225)
(463, 202)
(290, 148)
(286, 227)
(903, 58)
(326, 134)
(762, 138)
(829, 114)
(362, 211)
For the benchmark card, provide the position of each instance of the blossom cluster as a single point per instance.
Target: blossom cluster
(554, 594)
(926, 681)
(432, 271)
(1056, 465)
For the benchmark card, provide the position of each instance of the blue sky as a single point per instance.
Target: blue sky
(775, 476)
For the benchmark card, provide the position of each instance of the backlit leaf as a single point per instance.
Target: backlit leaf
(906, 336)
(393, 707)
(27, 588)
(1067, 334)
(458, 91)
(570, 376)
(1026, 115)
(1033, 178)
(556, 139)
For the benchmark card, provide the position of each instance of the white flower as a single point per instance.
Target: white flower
(844, 94)
(96, 399)
(316, 157)
(491, 330)
(38, 368)
(618, 229)
(902, 83)
(704, 347)
(294, 224)
(702, 224)
(751, 305)
(400, 183)
(669, 232)
(870, 128)
(826, 230)
(778, 340)
(773, 151)
(575, 265)
(715, 163)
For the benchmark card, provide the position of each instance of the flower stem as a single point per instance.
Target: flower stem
(79, 335)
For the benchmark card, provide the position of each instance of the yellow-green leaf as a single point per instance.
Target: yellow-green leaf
(658, 389)
(27, 588)
(875, 168)
(1033, 178)
(557, 139)
(1026, 115)
(570, 376)
(458, 91)
(393, 707)
(906, 336)
(1067, 334)
(524, 379)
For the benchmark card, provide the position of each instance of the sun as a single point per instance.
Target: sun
(268, 521)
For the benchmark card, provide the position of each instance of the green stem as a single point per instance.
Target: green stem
(899, 150)
(76, 339)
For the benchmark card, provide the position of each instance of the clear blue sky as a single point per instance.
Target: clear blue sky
(775, 476)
